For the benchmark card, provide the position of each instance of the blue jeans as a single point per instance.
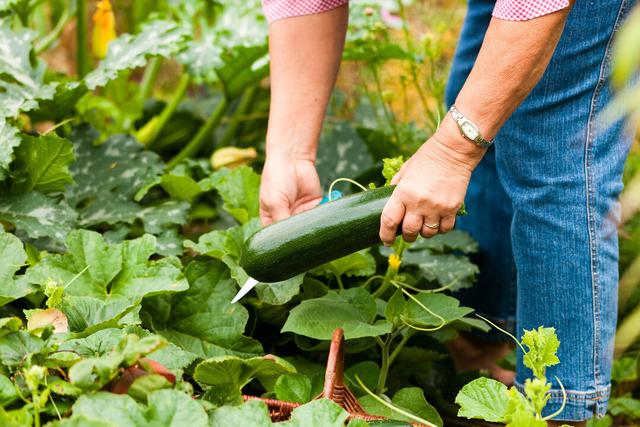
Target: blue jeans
(543, 206)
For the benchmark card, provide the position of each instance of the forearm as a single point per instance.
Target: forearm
(512, 60)
(305, 57)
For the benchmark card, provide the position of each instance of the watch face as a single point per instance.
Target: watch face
(469, 130)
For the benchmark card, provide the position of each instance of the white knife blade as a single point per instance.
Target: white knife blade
(245, 288)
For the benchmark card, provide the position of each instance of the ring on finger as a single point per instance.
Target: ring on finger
(433, 227)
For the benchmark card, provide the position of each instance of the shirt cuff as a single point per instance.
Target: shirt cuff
(522, 10)
(278, 9)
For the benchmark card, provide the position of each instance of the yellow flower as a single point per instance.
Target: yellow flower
(232, 157)
(104, 28)
(394, 261)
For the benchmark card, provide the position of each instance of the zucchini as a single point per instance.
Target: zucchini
(311, 238)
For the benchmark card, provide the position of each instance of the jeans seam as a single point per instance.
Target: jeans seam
(589, 180)
(574, 395)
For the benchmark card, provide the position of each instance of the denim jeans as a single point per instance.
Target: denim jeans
(543, 206)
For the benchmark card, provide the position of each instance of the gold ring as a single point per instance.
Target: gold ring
(433, 227)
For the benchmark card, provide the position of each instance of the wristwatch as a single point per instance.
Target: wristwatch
(468, 129)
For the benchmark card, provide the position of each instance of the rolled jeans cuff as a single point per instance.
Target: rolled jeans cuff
(580, 405)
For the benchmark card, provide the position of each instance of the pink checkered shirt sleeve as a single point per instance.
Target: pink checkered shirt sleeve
(521, 10)
(278, 9)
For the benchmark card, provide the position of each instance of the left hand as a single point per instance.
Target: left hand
(431, 186)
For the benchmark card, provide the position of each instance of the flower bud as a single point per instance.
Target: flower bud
(232, 157)
(104, 28)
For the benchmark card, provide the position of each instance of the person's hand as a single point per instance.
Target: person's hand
(288, 186)
(431, 187)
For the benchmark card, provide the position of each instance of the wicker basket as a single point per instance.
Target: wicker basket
(334, 389)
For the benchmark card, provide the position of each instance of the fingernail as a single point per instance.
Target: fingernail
(387, 244)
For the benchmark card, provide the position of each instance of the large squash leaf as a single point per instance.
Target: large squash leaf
(43, 163)
(236, 371)
(26, 86)
(410, 399)
(8, 141)
(38, 215)
(109, 176)
(202, 320)
(353, 310)
(157, 38)
(113, 272)
(12, 256)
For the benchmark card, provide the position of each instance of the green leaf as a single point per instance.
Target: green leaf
(353, 310)
(293, 388)
(172, 408)
(455, 240)
(362, 50)
(24, 89)
(484, 398)
(543, 345)
(210, 244)
(157, 38)
(16, 346)
(356, 264)
(64, 388)
(254, 413)
(241, 190)
(113, 272)
(108, 177)
(87, 315)
(236, 371)
(146, 384)
(82, 421)
(180, 186)
(368, 372)
(410, 399)
(38, 215)
(319, 413)
(626, 406)
(341, 154)
(12, 256)
(444, 269)
(120, 410)
(201, 58)
(624, 369)
(9, 324)
(173, 357)
(395, 308)
(279, 293)
(8, 141)
(443, 305)
(224, 394)
(243, 67)
(46, 161)
(94, 345)
(202, 320)
(8, 393)
(391, 168)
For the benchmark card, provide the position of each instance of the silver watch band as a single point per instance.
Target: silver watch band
(468, 129)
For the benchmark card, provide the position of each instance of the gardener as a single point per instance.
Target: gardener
(532, 76)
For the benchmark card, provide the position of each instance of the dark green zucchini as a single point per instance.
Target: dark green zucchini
(309, 239)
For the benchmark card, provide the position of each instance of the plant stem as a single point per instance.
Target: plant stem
(384, 369)
(387, 111)
(628, 282)
(45, 42)
(150, 76)
(169, 110)
(627, 333)
(82, 55)
(391, 272)
(400, 345)
(247, 102)
(340, 282)
(199, 140)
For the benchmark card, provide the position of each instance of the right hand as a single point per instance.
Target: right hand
(288, 186)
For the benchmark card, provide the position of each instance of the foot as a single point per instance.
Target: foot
(472, 353)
